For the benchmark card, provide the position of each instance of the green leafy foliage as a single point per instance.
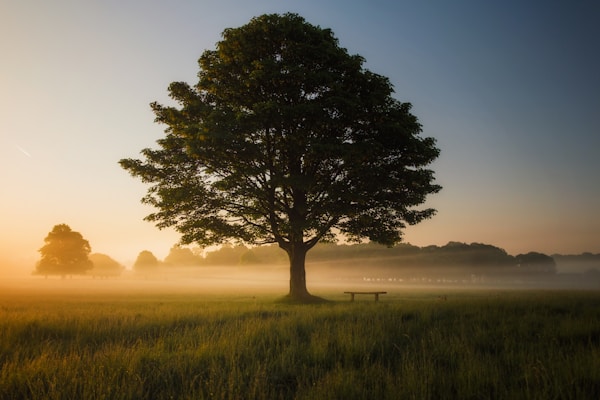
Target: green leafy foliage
(286, 139)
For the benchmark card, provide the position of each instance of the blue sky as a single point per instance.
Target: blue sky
(511, 91)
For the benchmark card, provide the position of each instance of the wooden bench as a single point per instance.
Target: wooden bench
(374, 293)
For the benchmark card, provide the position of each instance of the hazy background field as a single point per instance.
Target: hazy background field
(338, 267)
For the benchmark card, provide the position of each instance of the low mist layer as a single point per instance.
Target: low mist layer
(343, 267)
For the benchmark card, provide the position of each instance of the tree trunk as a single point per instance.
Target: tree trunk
(297, 256)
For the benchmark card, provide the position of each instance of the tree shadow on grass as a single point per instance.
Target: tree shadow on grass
(308, 299)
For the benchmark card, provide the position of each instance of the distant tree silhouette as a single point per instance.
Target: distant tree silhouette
(182, 256)
(105, 266)
(65, 253)
(533, 262)
(145, 262)
(462, 254)
(226, 255)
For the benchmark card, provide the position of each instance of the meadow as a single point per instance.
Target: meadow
(60, 341)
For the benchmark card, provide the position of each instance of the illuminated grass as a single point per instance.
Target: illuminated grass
(409, 345)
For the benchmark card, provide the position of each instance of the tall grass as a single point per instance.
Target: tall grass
(475, 345)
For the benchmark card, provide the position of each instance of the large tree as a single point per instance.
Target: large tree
(288, 139)
(65, 252)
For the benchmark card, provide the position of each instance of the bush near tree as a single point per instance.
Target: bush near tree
(105, 266)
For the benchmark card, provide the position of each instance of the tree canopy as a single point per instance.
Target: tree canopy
(105, 266)
(536, 262)
(146, 261)
(286, 138)
(182, 256)
(65, 252)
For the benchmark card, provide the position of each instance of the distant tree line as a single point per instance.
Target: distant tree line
(452, 258)
(474, 256)
(67, 253)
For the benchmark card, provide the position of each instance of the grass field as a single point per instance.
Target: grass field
(59, 341)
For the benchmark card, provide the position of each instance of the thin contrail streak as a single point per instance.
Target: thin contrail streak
(22, 150)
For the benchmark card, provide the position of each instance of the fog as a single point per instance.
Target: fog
(214, 281)
(242, 271)
(251, 281)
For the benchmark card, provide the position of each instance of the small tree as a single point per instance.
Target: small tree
(145, 262)
(286, 139)
(182, 257)
(65, 253)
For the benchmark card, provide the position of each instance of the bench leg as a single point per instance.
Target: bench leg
(351, 296)
(376, 296)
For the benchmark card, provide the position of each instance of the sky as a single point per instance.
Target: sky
(510, 90)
